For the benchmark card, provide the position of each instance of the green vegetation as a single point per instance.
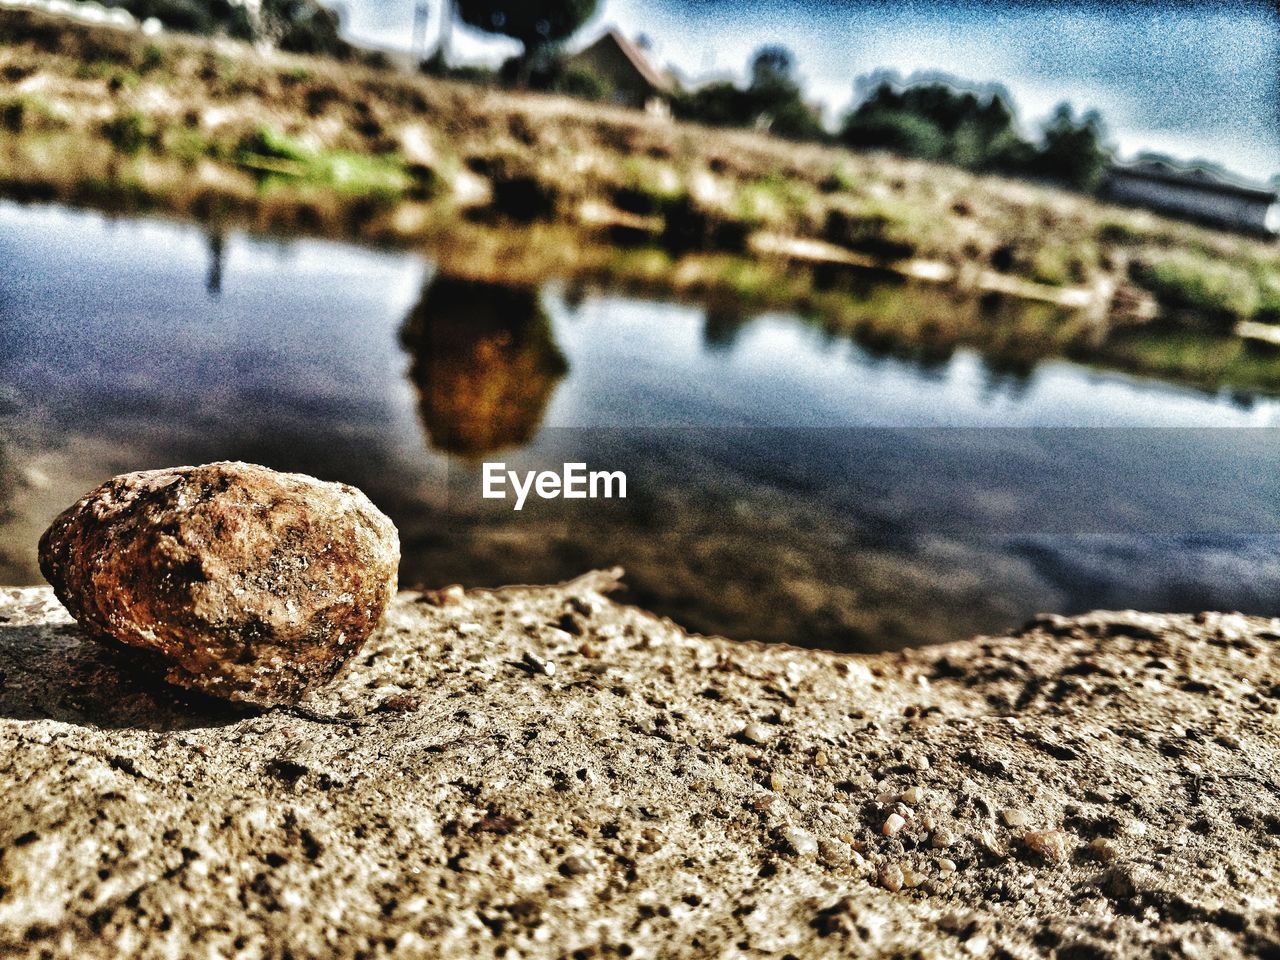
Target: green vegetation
(281, 160)
(301, 26)
(581, 83)
(1072, 151)
(1190, 357)
(130, 131)
(1188, 281)
(772, 101)
(1267, 276)
(933, 118)
(939, 120)
(187, 145)
(27, 113)
(1061, 265)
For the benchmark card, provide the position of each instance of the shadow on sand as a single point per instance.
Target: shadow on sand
(50, 672)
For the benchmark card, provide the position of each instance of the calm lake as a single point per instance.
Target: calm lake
(783, 483)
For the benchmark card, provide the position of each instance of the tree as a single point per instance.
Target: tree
(720, 104)
(899, 131)
(303, 26)
(1072, 150)
(537, 24)
(773, 100)
(773, 69)
(939, 120)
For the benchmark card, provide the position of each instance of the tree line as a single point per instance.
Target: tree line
(933, 118)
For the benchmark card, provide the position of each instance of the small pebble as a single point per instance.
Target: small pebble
(987, 840)
(1104, 850)
(893, 824)
(1015, 818)
(1054, 845)
(891, 877)
(756, 733)
(946, 866)
(942, 838)
(448, 596)
(835, 852)
(911, 795)
(799, 842)
(574, 866)
(536, 664)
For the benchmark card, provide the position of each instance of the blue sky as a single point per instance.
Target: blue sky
(1195, 80)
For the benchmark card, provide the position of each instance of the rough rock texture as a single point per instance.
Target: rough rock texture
(250, 584)
(540, 772)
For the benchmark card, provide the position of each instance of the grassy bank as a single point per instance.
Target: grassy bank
(520, 187)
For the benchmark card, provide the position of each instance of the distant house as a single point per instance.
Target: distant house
(635, 82)
(1196, 194)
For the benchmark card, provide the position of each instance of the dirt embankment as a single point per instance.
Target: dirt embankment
(541, 772)
(215, 130)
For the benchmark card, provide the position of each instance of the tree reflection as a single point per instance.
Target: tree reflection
(217, 259)
(721, 325)
(485, 364)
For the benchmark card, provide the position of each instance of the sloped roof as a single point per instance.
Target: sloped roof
(634, 55)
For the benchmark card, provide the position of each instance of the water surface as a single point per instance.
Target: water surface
(784, 483)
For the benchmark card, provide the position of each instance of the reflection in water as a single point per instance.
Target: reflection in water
(217, 257)
(721, 326)
(485, 364)
(769, 493)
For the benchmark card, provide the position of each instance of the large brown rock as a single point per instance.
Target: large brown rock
(250, 584)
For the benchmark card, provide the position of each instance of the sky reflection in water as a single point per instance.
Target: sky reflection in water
(785, 484)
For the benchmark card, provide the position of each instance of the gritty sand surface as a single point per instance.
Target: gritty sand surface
(540, 772)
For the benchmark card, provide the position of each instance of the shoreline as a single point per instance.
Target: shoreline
(520, 188)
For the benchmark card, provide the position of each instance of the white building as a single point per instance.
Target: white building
(1195, 194)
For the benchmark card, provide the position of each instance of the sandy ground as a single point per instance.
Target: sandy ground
(540, 772)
